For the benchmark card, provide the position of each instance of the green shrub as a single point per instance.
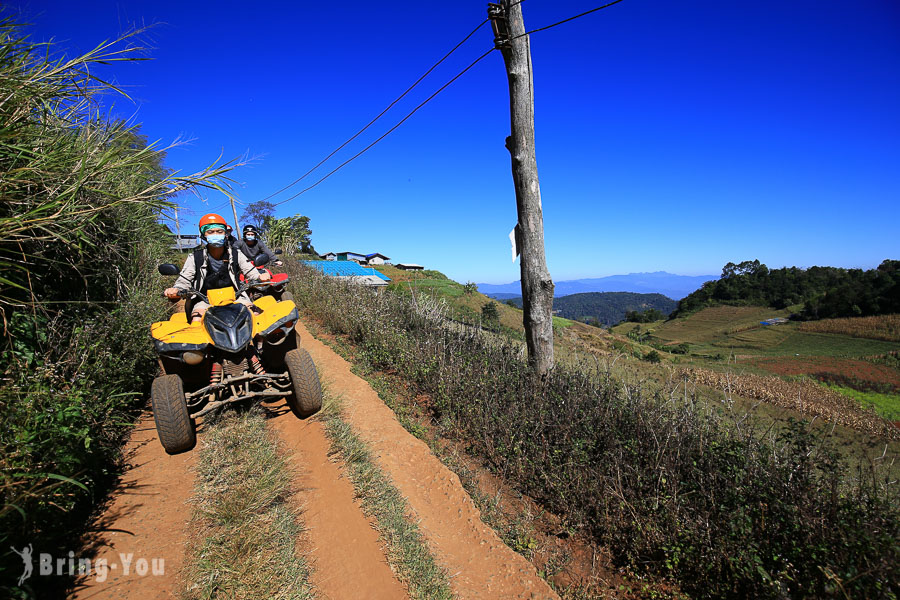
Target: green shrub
(490, 315)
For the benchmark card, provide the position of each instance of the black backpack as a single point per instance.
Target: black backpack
(233, 260)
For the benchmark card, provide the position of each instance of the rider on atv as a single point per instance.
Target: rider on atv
(220, 266)
(251, 246)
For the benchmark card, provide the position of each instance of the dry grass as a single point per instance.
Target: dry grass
(881, 327)
(672, 486)
(244, 532)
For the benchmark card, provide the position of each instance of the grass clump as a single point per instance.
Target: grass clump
(245, 533)
(675, 487)
(406, 548)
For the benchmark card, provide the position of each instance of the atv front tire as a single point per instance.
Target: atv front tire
(173, 422)
(307, 397)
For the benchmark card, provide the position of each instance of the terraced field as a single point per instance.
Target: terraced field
(727, 338)
(737, 331)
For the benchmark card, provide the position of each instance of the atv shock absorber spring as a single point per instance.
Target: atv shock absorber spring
(256, 365)
(215, 373)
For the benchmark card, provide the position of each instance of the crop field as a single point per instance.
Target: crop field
(886, 405)
(841, 354)
(711, 324)
(788, 339)
(827, 367)
(881, 327)
(737, 330)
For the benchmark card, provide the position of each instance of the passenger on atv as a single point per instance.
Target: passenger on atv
(251, 246)
(219, 266)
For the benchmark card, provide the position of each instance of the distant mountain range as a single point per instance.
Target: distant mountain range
(660, 282)
(608, 308)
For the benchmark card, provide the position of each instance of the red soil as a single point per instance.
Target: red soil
(146, 517)
(845, 367)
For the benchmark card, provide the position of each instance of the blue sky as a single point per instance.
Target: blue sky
(673, 136)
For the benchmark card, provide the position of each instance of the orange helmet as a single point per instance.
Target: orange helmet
(211, 219)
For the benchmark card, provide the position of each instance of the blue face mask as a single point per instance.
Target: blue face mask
(216, 240)
(251, 237)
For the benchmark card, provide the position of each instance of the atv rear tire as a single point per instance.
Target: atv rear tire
(307, 397)
(173, 422)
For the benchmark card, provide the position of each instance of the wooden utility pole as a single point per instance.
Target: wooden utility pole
(537, 286)
(177, 229)
(237, 226)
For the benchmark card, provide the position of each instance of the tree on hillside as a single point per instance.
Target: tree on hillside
(257, 213)
(292, 234)
(824, 292)
(490, 315)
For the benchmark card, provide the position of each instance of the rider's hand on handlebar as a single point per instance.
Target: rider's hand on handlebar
(278, 263)
(264, 276)
(172, 293)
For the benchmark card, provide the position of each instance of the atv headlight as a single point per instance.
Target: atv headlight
(230, 327)
(192, 357)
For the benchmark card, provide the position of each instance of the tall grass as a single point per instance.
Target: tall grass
(672, 486)
(79, 240)
(78, 188)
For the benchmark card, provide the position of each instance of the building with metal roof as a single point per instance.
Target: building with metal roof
(349, 270)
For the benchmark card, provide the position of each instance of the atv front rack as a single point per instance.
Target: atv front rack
(237, 388)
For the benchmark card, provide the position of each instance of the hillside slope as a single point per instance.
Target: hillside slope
(607, 308)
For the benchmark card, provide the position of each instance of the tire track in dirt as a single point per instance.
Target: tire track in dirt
(343, 548)
(480, 565)
(146, 517)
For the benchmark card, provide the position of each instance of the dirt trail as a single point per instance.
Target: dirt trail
(146, 518)
(343, 547)
(148, 513)
(479, 563)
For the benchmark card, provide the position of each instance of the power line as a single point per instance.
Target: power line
(567, 20)
(381, 114)
(389, 131)
(416, 109)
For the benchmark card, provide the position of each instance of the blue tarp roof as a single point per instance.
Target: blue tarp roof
(342, 268)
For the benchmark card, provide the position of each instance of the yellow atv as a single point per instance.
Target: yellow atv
(229, 356)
